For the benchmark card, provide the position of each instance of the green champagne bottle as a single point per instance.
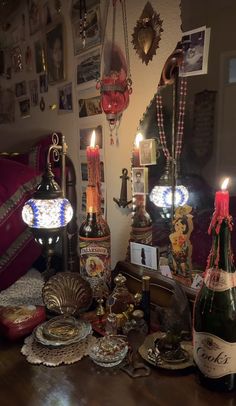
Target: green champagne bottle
(214, 333)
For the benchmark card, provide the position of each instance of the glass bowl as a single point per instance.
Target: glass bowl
(108, 351)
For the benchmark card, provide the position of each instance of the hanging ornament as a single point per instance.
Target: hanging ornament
(115, 85)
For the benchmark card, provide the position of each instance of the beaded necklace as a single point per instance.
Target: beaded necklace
(180, 123)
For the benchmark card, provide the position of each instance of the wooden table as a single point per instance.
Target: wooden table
(85, 384)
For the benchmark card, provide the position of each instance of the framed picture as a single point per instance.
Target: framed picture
(49, 13)
(196, 49)
(140, 180)
(65, 99)
(144, 255)
(55, 51)
(24, 106)
(92, 30)
(39, 53)
(20, 89)
(34, 10)
(147, 152)
(88, 67)
(85, 137)
(43, 83)
(90, 106)
(34, 94)
(7, 103)
(16, 59)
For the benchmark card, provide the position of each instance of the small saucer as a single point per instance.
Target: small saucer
(148, 346)
(62, 331)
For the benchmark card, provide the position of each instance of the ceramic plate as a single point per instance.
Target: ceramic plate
(149, 343)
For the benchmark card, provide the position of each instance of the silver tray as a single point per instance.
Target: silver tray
(149, 343)
(82, 329)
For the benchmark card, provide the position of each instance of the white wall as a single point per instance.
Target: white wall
(145, 81)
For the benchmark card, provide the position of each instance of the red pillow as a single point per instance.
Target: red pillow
(17, 249)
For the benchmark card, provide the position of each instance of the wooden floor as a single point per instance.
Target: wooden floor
(85, 384)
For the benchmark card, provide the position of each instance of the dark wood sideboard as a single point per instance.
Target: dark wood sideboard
(85, 384)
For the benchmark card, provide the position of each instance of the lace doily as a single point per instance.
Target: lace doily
(37, 353)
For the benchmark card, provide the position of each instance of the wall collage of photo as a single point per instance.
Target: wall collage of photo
(88, 62)
(35, 60)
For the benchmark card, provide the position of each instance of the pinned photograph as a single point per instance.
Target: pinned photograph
(34, 94)
(65, 99)
(144, 255)
(90, 106)
(88, 68)
(55, 49)
(84, 171)
(39, 56)
(195, 44)
(43, 83)
(7, 103)
(34, 11)
(92, 31)
(20, 89)
(85, 137)
(147, 152)
(24, 106)
(140, 181)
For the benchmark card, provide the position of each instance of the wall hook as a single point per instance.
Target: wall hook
(122, 201)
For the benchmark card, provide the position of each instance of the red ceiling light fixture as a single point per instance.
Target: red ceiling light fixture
(115, 84)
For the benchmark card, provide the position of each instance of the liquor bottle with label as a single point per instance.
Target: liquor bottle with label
(95, 243)
(214, 332)
(141, 222)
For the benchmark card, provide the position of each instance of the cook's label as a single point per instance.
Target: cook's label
(219, 280)
(95, 261)
(214, 357)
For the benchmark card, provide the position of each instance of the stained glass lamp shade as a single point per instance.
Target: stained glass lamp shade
(47, 211)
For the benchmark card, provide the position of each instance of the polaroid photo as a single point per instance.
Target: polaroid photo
(24, 106)
(195, 44)
(140, 180)
(144, 255)
(65, 104)
(147, 152)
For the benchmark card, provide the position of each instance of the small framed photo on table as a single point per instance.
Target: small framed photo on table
(140, 180)
(144, 255)
(147, 152)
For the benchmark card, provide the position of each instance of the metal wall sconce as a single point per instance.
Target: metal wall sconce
(147, 34)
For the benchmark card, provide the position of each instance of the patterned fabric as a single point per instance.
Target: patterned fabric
(18, 251)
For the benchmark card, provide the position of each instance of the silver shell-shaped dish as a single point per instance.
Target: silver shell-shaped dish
(67, 293)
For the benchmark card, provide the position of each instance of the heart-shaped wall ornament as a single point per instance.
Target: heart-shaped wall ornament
(147, 34)
(145, 38)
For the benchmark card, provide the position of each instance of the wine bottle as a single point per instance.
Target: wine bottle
(145, 300)
(94, 240)
(141, 222)
(214, 332)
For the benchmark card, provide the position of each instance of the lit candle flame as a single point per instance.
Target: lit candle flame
(138, 138)
(93, 139)
(225, 184)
